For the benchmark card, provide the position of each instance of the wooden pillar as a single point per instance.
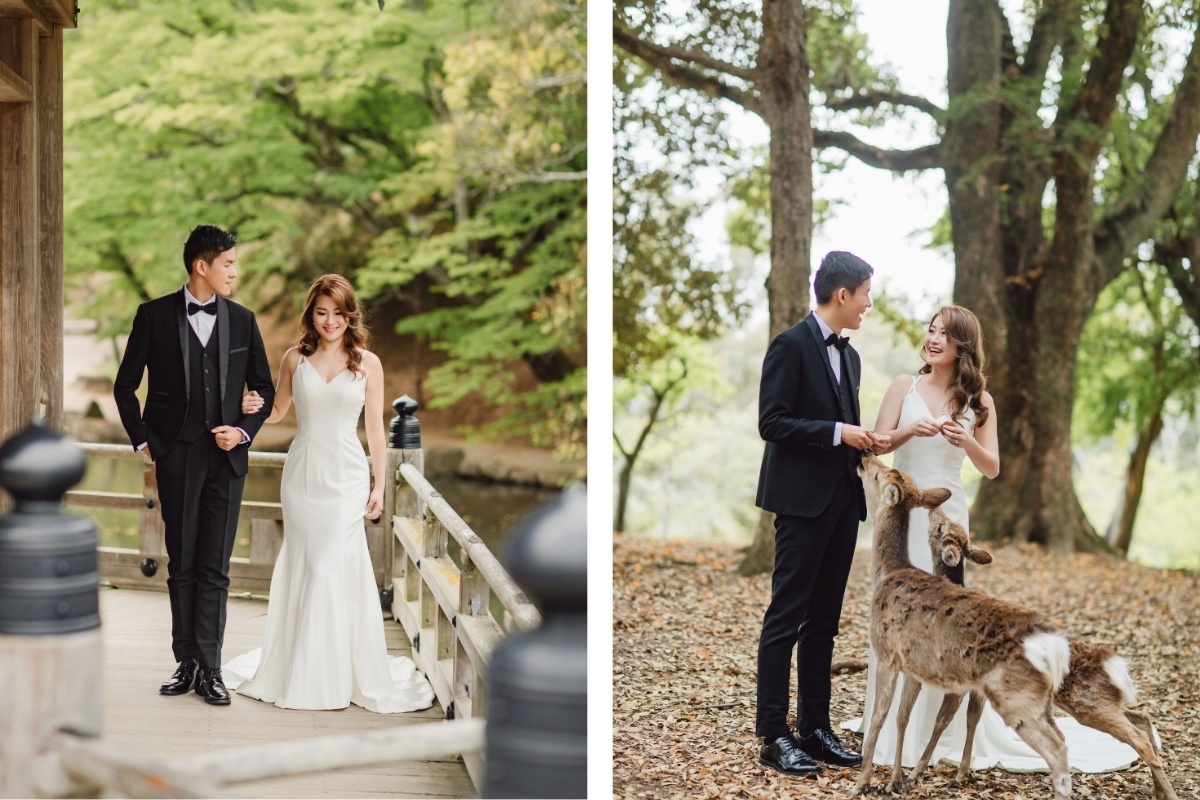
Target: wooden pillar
(50, 202)
(20, 300)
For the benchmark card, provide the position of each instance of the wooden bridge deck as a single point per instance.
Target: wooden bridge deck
(137, 657)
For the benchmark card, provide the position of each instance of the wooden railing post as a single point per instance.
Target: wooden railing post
(152, 531)
(50, 647)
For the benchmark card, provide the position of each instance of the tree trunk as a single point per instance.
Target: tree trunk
(783, 91)
(1032, 300)
(1120, 530)
(623, 492)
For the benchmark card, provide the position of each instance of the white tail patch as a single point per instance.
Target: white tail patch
(1118, 672)
(1051, 655)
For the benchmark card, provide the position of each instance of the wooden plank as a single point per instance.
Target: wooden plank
(50, 219)
(13, 88)
(137, 658)
(266, 538)
(19, 273)
(122, 567)
(479, 637)
(105, 499)
(441, 576)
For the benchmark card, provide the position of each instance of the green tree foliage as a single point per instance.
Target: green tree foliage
(437, 144)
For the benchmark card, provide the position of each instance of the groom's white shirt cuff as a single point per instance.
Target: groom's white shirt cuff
(837, 433)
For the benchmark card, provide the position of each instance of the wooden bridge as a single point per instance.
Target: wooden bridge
(438, 611)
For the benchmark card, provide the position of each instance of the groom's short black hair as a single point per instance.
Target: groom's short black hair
(840, 269)
(206, 242)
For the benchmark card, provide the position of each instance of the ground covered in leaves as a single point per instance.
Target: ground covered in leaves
(685, 635)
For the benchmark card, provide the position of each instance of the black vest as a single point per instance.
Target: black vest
(846, 398)
(204, 391)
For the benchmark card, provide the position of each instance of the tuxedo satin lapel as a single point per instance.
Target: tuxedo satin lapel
(223, 344)
(848, 369)
(823, 354)
(181, 317)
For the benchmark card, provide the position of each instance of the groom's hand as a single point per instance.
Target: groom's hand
(228, 437)
(858, 438)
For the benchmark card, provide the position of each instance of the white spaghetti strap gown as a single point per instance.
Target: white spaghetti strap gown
(324, 646)
(932, 461)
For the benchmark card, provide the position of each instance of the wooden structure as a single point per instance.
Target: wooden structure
(123, 566)
(31, 210)
(443, 608)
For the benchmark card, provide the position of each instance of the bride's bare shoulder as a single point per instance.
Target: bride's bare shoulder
(369, 359)
(291, 356)
(899, 385)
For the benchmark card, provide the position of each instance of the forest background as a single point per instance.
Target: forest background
(432, 151)
(692, 214)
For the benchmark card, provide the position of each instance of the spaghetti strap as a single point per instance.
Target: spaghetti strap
(914, 383)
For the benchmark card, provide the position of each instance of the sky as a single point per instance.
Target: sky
(881, 216)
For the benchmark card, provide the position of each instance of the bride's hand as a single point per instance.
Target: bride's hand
(955, 434)
(251, 403)
(926, 427)
(375, 504)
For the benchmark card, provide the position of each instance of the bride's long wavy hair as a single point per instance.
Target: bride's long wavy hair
(970, 381)
(356, 338)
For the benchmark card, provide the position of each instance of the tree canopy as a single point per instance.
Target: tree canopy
(434, 145)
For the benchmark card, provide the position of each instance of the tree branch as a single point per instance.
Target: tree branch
(1098, 98)
(664, 60)
(1048, 31)
(629, 40)
(873, 99)
(926, 157)
(1134, 216)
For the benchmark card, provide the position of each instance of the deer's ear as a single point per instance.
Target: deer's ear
(951, 556)
(979, 555)
(891, 494)
(932, 498)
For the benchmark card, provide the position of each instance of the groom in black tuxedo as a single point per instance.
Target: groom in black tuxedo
(809, 416)
(201, 350)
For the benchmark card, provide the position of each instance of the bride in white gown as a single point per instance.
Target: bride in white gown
(324, 645)
(935, 419)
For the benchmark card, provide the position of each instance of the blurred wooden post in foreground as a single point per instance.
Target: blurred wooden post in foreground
(50, 649)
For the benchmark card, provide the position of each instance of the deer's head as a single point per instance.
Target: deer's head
(886, 488)
(950, 541)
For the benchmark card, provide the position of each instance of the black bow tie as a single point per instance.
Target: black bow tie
(840, 342)
(209, 308)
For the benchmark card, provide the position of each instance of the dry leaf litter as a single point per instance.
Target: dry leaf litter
(685, 637)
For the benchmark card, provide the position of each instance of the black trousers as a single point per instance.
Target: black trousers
(812, 564)
(200, 497)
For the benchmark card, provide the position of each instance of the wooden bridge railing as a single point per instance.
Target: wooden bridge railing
(145, 567)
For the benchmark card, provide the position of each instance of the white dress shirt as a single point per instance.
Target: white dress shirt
(202, 323)
(835, 361)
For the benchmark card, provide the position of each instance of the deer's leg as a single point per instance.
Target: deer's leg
(1115, 722)
(1029, 716)
(949, 707)
(885, 687)
(908, 697)
(1142, 720)
(974, 712)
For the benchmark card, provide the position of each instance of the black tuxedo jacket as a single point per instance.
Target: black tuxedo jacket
(159, 342)
(798, 404)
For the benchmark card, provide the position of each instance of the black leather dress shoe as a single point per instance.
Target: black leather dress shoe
(211, 686)
(784, 756)
(181, 682)
(822, 745)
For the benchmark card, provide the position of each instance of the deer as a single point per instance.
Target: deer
(1097, 690)
(952, 638)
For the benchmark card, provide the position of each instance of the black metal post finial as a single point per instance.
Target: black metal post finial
(536, 734)
(405, 430)
(49, 571)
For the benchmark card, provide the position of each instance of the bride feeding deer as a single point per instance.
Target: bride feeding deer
(933, 631)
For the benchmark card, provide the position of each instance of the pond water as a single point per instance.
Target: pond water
(491, 509)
